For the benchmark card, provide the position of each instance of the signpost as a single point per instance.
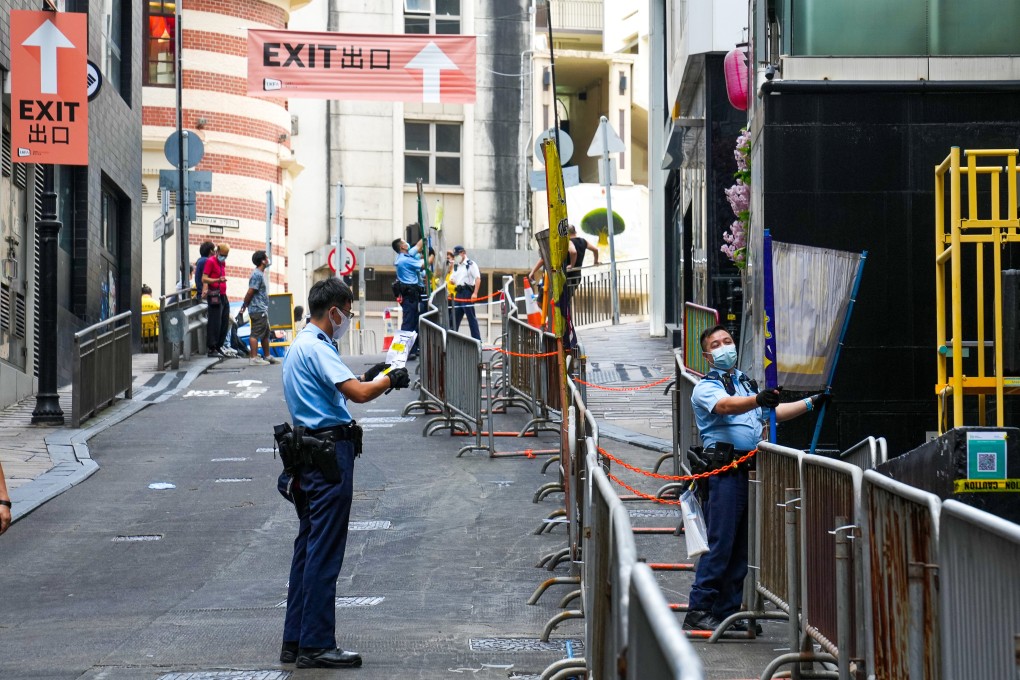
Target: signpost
(605, 142)
(49, 126)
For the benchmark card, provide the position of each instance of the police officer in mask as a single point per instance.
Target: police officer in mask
(317, 386)
(731, 416)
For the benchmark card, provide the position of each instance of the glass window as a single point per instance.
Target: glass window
(110, 222)
(432, 153)
(160, 27)
(420, 16)
(116, 15)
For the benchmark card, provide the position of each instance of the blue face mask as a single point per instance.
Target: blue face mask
(221, 258)
(724, 357)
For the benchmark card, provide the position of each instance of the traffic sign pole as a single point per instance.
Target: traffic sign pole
(339, 240)
(182, 213)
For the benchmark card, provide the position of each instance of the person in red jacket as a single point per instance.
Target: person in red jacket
(214, 276)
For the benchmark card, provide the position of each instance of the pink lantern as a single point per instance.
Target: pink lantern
(735, 68)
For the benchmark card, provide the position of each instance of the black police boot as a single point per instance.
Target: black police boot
(328, 658)
(288, 652)
(700, 620)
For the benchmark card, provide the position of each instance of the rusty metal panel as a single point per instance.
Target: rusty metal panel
(778, 469)
(829, 489)
(979, 569)
(902, 526)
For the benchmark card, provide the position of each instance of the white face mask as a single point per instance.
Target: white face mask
(461, 258)
(339, 330)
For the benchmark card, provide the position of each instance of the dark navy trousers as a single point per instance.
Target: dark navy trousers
(410, 306)
(461, 310)
(719, 580)
(324, 511)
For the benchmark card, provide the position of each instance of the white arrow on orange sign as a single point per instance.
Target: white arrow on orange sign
(431, 61)
(48, 39)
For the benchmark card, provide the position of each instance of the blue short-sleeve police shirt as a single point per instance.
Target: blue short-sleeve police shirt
(312, 369)
(408, 267)
(743, 431)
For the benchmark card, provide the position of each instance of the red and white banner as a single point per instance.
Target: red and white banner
(408, 68)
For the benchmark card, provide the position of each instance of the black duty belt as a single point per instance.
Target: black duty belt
(339, 433)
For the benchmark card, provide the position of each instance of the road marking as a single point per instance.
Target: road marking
(207, 393)
(227, 460)
(159, 486)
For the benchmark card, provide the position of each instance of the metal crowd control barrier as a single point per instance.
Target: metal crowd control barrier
(432, 366)
(464, 374)
(867, 454)
(900, 583)
(101, 366)
(831, 557)
(657, 648)
(980, 601)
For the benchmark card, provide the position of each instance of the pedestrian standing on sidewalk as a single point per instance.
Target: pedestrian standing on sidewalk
(218, 313)
(409, 264)
(5, 503)
(467, 281)
(205, 251)
(317, 386)
(731, 417)
(256, 301)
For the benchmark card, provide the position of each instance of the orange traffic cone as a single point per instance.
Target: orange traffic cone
(531, 305)
(388, 338)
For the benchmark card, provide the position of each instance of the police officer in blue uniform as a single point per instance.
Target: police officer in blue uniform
(317, 386)
(731, 415)
(409, 265)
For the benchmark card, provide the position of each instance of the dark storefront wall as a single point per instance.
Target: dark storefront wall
(855, 171)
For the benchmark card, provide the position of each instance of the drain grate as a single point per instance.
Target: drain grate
(372, 525)
(525, 645)
(349, 602)
(232, 480)
(137, 538)
(225, 675)
(653, 512)
(227, 460)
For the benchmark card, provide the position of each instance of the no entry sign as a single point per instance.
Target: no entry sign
(411, 68)
(49, 97)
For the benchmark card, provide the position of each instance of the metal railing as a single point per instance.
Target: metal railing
(101, 366)
(464, 374)
(591, 299)
(182, 328)
(979, 616)
(583, 16)
(657, 648)
(901, 549)
(867, 454)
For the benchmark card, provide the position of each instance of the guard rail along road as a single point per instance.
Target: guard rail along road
(101, 366)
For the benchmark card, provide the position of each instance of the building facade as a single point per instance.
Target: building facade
(246, 140)
(99, 255)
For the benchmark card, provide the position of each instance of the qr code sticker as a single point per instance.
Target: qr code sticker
(986, 462)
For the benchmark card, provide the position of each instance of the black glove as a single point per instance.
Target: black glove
(821, 399)
(399, 378)
(768, 398)
(372, 373)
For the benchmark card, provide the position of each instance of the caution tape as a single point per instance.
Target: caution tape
(624, 389)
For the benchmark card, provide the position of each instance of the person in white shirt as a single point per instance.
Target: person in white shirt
(467, 280)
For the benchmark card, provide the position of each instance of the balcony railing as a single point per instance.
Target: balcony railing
(571, 16)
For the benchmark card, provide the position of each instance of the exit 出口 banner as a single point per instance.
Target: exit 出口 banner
(409, 68)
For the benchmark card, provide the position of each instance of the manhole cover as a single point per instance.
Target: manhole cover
(227, 460)
(525, 645)
(654, 512)
(350, 602)
(138, 538)
(232, 480)
(370, 525)
(232, 675)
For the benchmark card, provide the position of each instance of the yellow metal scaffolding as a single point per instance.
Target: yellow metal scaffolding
(953, 381)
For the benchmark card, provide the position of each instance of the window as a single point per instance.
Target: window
(432, 16)
(160, 26)
(432, 153)
(110, 222)
(117, 45)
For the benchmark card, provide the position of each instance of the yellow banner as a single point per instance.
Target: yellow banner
(556, 194)
(986, 485)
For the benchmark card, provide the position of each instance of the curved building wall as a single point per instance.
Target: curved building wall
(246, 140)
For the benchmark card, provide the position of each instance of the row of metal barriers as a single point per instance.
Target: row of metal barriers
(628, 621)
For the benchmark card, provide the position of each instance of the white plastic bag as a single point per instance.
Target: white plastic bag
(694, 524)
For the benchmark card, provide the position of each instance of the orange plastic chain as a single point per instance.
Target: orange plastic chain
(624, 389)
(517, 354)
(680, 478)
(477, 299)
(641, 494)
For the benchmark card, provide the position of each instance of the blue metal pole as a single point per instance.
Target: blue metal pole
(839, 347)
(769, 306)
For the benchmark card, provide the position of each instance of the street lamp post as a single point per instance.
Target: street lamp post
(47, 402)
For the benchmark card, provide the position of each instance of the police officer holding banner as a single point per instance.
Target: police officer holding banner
(318, 455)
(409, 265)
(731, 417)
